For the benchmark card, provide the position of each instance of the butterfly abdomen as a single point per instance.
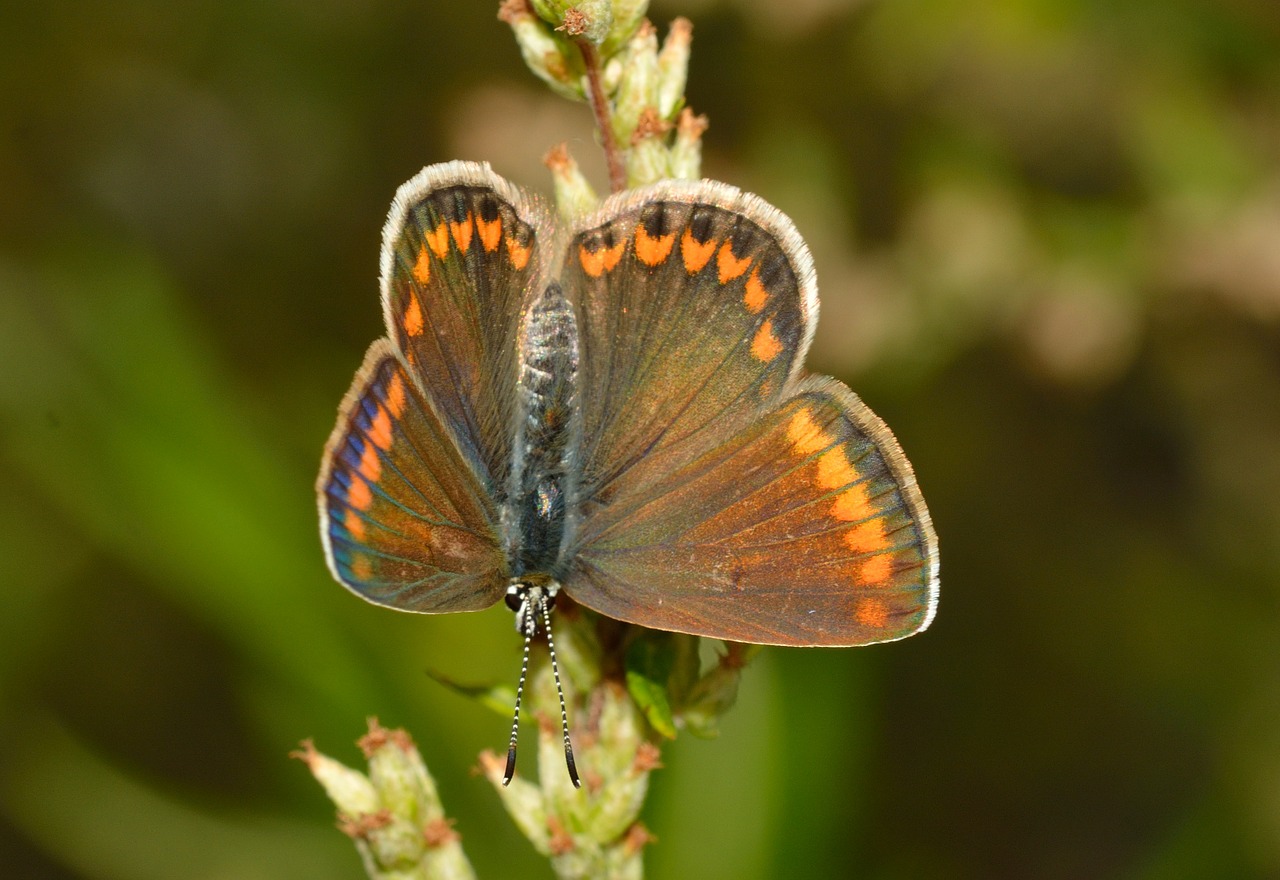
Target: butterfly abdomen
(544, 437)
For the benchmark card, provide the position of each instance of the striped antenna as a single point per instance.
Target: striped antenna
(530, 602)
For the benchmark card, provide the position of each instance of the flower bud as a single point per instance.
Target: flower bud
(648, 160)
(397, 843)
(686, 152)
(591, 20)
(717, 691)
(627, 15)
(673, 67)
(547, 54)
(574, 198)
(397, 772)
(350, 790)
(638, 84)
(522, 801)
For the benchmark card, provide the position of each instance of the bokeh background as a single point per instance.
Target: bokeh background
(1047, 235)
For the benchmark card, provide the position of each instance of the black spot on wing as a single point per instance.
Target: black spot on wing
(744, 238)
(487, 208)
(775, 271)
(656, 219)
(702, 223)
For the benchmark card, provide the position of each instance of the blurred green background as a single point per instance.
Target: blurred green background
(1047, 235)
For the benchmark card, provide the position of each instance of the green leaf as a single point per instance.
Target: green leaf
(650, 660)
(499, 698)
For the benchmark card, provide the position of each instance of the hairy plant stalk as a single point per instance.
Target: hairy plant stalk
(627, 688)
(604, 121)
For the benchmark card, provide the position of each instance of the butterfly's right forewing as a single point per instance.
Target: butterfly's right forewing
(460, 259)
(415, 473)
(693, 319)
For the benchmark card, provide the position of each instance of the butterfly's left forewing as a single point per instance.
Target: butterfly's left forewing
(692, 318)
(723, 494)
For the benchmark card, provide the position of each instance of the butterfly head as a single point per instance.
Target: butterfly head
(529, 596)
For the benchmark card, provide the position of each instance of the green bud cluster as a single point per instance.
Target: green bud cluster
(393, 813)
(641, 83)
(628, 688)
(594, 831)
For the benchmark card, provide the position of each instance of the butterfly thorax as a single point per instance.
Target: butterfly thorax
(537, 519)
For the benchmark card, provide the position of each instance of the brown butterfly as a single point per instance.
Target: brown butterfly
(619, 410)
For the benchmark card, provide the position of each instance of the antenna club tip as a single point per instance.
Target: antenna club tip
(510, 772)
(573, 768)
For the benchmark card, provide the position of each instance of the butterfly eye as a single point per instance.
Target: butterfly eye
(515, 596)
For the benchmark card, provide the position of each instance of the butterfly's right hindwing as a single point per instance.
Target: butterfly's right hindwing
(404, 520)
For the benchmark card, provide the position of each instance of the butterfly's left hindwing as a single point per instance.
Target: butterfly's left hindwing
(404, 520)
(805, 529)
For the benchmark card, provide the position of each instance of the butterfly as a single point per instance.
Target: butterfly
(618, 409)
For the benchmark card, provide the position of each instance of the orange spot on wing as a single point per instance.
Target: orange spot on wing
(765, 346)
(729, 266)
(834, 470)
(871, 612)
(695, 253)
(422, 267)
(490, 232)
(852, 504)
(370, 465)
(614, 254)
(652, 251)
(395, 395)
(359, 496)
(438, 240)
(413, 318)
(592, 261)
(877, 569)
(354, 524)
(867, 537)
(380, 430)
(595, 263)
(518, 252)
(361, 568)
(462, 233)
(804, 434)
(755, 296)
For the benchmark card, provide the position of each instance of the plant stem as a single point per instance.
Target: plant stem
(600, 109)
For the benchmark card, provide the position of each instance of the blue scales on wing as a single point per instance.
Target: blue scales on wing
(404, 520)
